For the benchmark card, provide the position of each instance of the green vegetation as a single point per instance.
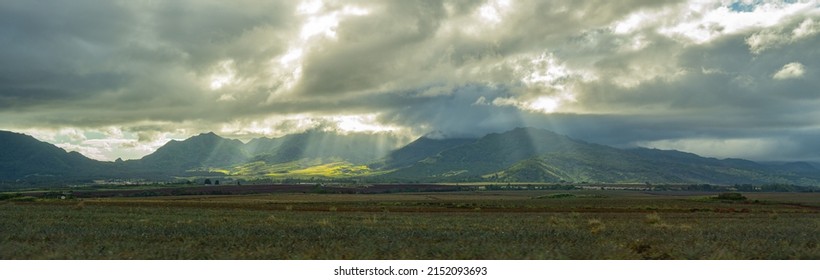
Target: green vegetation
(23, 198)
(454, 225)
(301, 169)
(560, 195)
(731, 196)
(261, 168)
(569, 195)
(336, 169)
(7, 196)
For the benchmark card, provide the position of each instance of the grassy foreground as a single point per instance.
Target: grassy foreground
(480, 225)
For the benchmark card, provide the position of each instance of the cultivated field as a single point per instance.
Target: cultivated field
(420, 225)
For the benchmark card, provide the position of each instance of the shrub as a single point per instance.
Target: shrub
(7, 196)
(653, 219)
(731, 196)
(595, 226)
(555, 220)
(23, 199)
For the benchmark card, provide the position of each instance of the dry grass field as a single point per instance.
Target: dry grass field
(419, 225)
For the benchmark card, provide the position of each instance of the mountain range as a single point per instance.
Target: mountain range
(518, 155)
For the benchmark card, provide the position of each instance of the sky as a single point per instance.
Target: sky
(118, 79)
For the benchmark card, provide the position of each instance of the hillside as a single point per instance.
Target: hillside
(23, 157)
(535, 155)
(204, 150)
(488, 154)
(418, 150)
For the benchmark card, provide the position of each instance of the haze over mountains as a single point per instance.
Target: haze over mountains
(518, 155)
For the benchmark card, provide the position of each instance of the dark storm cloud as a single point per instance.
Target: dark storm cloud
(370, 47)
(50, 50)
(100, 62)
(210, 31)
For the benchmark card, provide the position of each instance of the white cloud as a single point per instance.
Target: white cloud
(88, 151)
(766, 39)
(545, 104)
(703, 21)
(790, 71)
(776, 37)
(481, 101)
(501, 101)
(493, 11)
(224, 75)
(539, 104)
(73, 134)
(747, 148)
(327, 23)
(807, 28)
(360, 123)
(310, 7)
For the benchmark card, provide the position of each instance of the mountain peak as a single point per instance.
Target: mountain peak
(203, 150)
(209, 136)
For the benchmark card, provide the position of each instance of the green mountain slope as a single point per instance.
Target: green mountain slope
(420, 149)
(488, 154)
